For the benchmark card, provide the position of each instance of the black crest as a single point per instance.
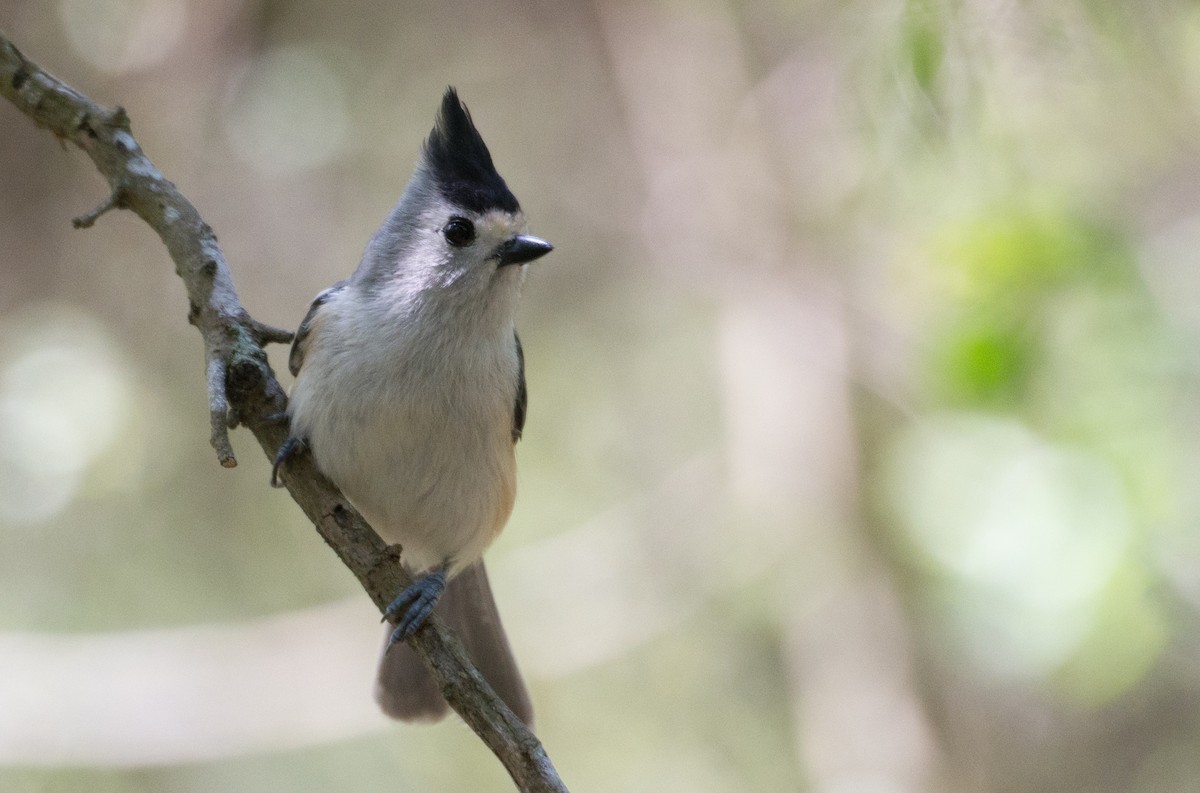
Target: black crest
(460, 163)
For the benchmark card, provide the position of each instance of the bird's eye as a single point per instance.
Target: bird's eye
(459, 232)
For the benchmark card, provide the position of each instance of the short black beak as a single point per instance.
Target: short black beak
(521, 249)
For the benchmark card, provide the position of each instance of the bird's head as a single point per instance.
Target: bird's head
(458, 229)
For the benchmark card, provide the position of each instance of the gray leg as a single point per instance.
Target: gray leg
(413, 606)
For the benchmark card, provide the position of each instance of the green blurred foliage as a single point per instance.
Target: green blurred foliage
(922, 40)
(1004, 277)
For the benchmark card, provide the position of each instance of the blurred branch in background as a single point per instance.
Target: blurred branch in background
(784, 346)
(237, 367)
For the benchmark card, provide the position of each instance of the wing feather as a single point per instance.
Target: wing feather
(299, 345)
(522, 393)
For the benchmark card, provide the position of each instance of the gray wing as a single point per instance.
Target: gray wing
(296, 358)
(522, 393)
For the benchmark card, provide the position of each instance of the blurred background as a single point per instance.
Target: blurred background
(864, 384)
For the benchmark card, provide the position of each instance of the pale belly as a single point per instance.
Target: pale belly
(437, 476)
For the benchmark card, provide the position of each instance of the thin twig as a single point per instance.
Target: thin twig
(86, 221)
(268, 334)
(242, 388)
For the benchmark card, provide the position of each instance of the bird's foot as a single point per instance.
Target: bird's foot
(414, 604)
(290, 448)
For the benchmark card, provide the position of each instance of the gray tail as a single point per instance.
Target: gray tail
(405, 690)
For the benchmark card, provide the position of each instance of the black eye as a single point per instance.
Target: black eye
(459, 232)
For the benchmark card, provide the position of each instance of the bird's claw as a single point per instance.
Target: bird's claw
(414, 604)
(290, 448)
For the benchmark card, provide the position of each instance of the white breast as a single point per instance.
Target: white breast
(413, 422)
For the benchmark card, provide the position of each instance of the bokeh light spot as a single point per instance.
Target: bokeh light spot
(118, 36)
(65, 397)
(288, 113)
(1025, 533)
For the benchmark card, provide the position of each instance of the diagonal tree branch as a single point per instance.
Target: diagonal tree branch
(242, 387)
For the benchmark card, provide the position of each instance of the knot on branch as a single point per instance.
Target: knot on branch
(245, 377)
(343, 517)
(252, 393)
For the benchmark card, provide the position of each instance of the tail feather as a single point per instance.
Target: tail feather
(405, 690)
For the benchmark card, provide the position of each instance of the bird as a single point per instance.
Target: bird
(410, 395)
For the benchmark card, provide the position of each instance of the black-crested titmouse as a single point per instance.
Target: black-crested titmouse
(410, 394)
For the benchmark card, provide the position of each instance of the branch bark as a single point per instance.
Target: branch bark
(242, 388)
